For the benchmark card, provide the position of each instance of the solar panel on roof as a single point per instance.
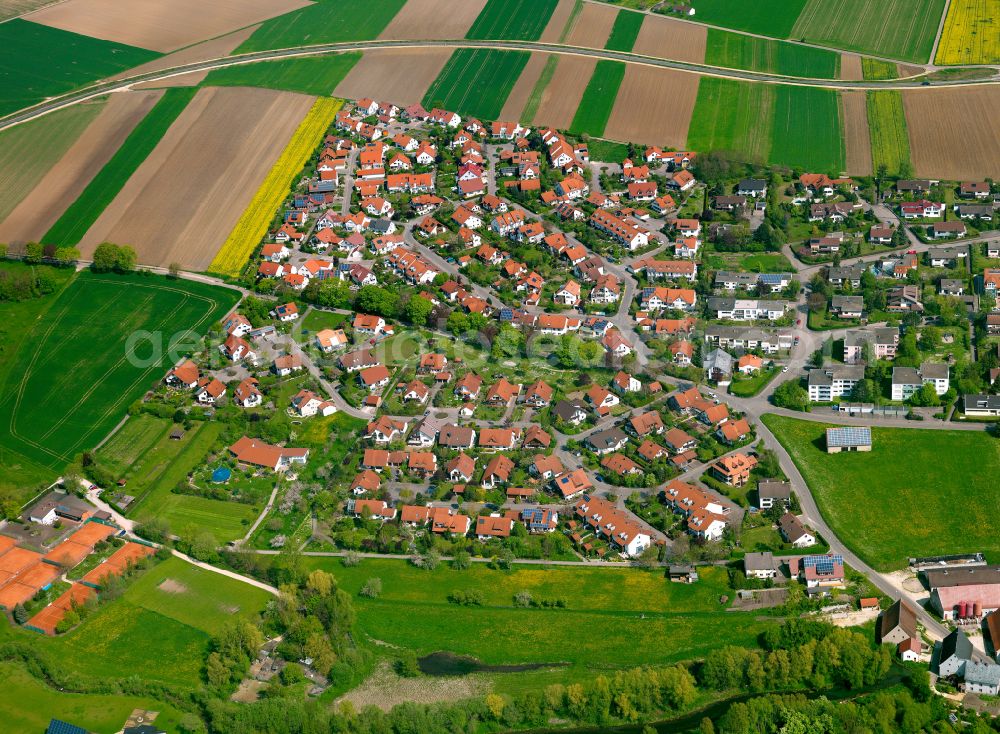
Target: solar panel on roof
(823, 564)
(851, 436)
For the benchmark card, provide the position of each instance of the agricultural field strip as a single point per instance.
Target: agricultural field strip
(971, 33)
(124, 393)
(96, 90)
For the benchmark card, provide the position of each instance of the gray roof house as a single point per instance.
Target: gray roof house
(760, 565)
(847, 306)
(982, 678)
(956, 652)
(604, 442)
(570, 411)
(770, 493)
(718, 366)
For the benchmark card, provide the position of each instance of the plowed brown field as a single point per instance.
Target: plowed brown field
(850, 68)
(654, 106)
(519, 95)
(187, 195)
(157, 25)
(40, 209)
(671, 39)
(399, 75)
(213, 49)
(423, 20)
(592, 26)
(954, 133)
(562, 96)
(554, 28)
(854, 109)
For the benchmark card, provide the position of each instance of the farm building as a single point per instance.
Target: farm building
(848, 439)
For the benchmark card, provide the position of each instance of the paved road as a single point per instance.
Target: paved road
(126, 83)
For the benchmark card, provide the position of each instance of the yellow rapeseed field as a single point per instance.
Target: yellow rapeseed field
(971, 33)
(252, 225)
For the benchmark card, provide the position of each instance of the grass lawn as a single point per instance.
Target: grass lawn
(826, 321)
(144, 454)
(631, 617)
(318, 75)
(897, 29)
(733, 116)
(317, 320)
(737, 51)
(27, 705)
(165, 465)
(887, 129)
(624, 31)
(874, 69)
(598, 98)
(28, 151)
(917, 493)
(535, 98)
(773, 18)
(607, 150)
(807, 129)
(753, 385)
(38, 61)
(162, 632)
(89, 344)
(476, 81)
(512, 20)
(326, 21)
(82, 213)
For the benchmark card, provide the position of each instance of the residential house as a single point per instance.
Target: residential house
(795, 532)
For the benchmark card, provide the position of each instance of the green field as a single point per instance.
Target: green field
(153, 464)
(773, 18)
(522, 20)
(874, 69)
(598, 99)
(326, 21)
(27, 705)
(162, 634)
(29, 151)
(625, 30)
(917, 493)
(38, 62)
(20, 472)
(887, 128)
(733, 116)
(897, 29)
(85, 359)
(614, 618)
(476, 81)
(607, 150)
(807, 129)
(70, 228)
(318, 75)
(737, 51)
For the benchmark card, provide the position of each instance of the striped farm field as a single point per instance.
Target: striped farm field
(318, 75)
(971, 33)
(522, 20)
(252, 225)
(82, 213)
(739, 51)
(476, 81)
(887, 126)
(897, 29)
